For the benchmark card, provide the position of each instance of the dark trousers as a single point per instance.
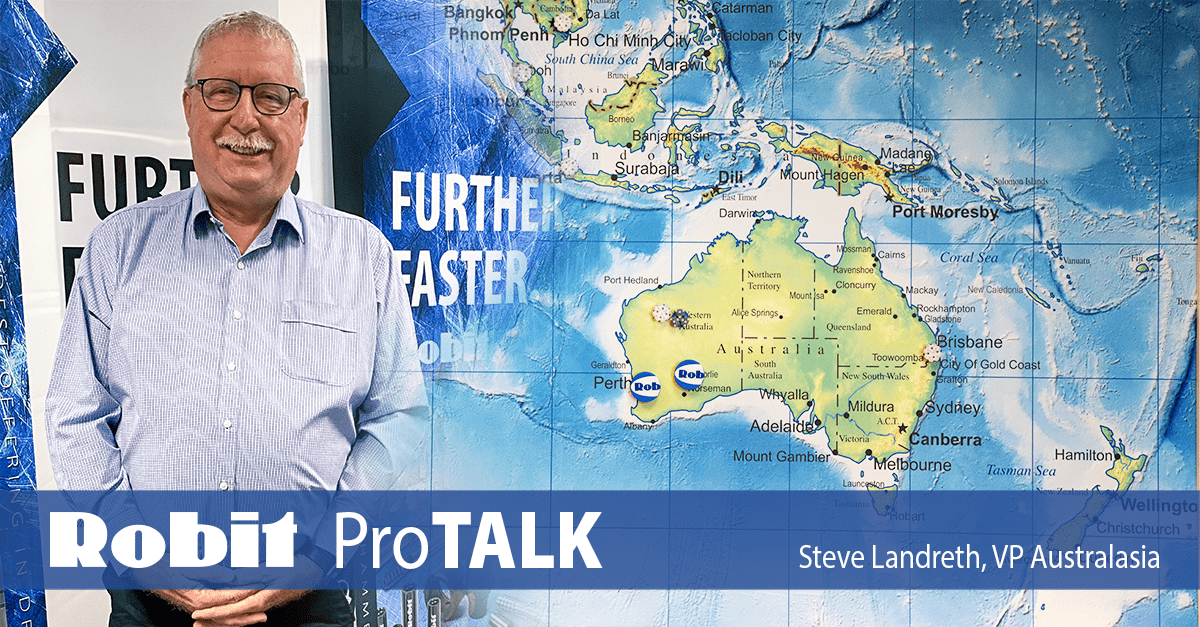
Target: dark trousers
(319, 608)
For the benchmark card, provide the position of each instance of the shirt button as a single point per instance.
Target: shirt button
(237, 315)
(241, 266)
(232, 366)
(228, 423)
(224, 485)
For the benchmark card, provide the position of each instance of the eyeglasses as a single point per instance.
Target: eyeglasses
(222, 94)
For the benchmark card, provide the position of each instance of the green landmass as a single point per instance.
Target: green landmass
(694, 112)
(631, 109)
(768, 315)
(544, 12)
(1037, 299)
(533, 86)
(883, 499)
(1123, 471)
(529, 120)
(600, 178)
(677, 142)
(844, 167)
(710, 57)
(716, 56)
(1124, 467)
(774, 130)
(913, 168)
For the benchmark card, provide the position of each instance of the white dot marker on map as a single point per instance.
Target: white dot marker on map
(562, 22)
(933, 353)
(522, 72)
(568, 167)
(661, 313)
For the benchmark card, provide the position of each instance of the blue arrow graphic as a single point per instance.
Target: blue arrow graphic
(32, 63)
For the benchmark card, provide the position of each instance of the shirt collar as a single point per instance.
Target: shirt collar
(286, 212)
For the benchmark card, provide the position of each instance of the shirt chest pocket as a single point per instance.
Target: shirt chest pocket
(319, 342)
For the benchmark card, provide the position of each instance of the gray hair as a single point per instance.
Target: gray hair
(246, 22)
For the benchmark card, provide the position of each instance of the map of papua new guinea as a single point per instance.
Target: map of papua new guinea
(839, 344)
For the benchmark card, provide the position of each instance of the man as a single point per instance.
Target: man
(233, 337)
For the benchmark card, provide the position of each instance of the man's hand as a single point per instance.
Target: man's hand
(192, 600)
(190, 594)
(247, 611)
(252, 607)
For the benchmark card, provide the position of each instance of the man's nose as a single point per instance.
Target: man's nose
(244, 117)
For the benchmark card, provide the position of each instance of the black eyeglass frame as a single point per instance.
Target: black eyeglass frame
(292, 94)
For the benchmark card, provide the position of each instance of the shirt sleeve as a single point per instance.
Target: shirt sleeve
(392, 448)
(81, 415)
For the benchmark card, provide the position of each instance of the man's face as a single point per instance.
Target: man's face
(245, 159)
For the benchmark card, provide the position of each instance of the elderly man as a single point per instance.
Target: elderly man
(234, 337)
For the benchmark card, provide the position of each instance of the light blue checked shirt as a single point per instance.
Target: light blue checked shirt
(184, 365)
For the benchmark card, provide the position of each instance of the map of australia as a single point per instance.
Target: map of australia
(838, 343)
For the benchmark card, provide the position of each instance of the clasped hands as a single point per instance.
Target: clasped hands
(239, 602)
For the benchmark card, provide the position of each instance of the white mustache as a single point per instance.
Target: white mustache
(251, 145)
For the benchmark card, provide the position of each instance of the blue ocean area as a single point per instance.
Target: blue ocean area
(690, 90)
(640, 230)
(1163, 610)
(1178, 448)
(749, 61)
(630, 13)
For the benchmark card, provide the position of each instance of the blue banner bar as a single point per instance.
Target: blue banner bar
(608, 540)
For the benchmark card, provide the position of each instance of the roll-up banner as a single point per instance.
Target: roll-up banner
(796, 309)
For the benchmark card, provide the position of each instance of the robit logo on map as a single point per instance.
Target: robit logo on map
(689, 374)
(645, 387)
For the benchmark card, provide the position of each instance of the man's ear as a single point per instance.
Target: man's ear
(187, 107)
(303, 112)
